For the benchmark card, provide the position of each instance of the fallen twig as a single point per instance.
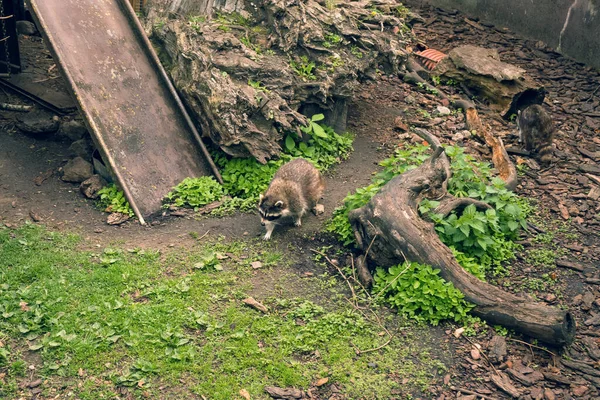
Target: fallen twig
(537, 347)
(339, 271)
(15, 107)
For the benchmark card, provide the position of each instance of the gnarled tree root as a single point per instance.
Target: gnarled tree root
(393, 230)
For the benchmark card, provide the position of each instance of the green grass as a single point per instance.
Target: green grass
(144, 320)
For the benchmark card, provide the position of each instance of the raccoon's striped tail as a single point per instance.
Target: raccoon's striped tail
(545, 153)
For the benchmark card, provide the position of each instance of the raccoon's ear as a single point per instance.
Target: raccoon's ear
(279, 204)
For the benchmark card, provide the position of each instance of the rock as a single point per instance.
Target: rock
(475, 354)
(442, 110)
(577, 300)
(38, 123)
(481, 70)
(26, 28)
(461, 135)
(91, 186)
(82, 148)
(410, 99)
(73, 130)
(77, 170)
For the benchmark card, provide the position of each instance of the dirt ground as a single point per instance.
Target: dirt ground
(566, 203)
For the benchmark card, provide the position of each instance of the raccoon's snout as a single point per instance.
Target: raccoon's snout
(262, 223)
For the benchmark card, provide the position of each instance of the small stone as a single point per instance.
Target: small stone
(445, 102)
(442, 110)
(372, 365)
(82, 148)
(577, 300)
(73, 130)
(26, 28)
(77, 170)
(91, 186)
(475, 354)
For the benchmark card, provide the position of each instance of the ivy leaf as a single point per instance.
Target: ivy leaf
(317, 117)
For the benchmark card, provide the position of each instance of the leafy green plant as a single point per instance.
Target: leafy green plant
(324, 148)
(258, 86)
(331, 39)
(417, 291)
(356, 52)
(304, 68)
(480, 240)
(111, 199)
(195, 192)
(436, 80)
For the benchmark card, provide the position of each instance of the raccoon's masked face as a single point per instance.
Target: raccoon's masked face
(270, 209)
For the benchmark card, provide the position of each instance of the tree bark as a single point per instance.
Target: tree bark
(250, 81)
(391, 225)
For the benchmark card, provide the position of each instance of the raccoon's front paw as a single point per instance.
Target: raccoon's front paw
(319, 209)
(267, 236)
(298, 223)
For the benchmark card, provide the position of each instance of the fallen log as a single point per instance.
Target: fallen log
(390, 226)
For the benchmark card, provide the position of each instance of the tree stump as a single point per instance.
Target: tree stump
(391, 226)
(248, 78)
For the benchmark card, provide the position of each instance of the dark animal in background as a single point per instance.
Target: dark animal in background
(536, 132)
(296, 188)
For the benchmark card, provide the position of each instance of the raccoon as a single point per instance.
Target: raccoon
(296, 188)
(536, 131)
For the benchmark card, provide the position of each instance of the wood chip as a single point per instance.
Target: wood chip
(563, 211)
(570, 265)
(503, 382)
(244, 393)
(591, 169)
(579, 366)
(35, 383)
(591, 347)
(524, 379)
(255, 304)
(497, 348)
(117, 218)
(42, 177)
(256, 264)
(594, 193)
(321, 382)
(286, 394)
